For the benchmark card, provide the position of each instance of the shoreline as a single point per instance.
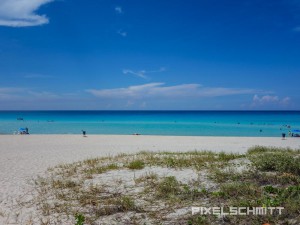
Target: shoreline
(140, 134)
(24, 157)
(210, 143)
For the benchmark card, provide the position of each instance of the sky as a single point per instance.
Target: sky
(149, 55)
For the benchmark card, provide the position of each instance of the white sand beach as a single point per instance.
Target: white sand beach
(26, 156)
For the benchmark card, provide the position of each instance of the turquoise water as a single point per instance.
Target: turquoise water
(194, 123)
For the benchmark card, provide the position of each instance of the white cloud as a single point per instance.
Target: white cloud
(12, 93)
(161, 90)
(7, 93)
(265, 99)
(131, 91)
(22, 13)
(43, 95)
(286, 101)
(142, 73)
(270, 100)
(122, 33)
(297, 29)
(118, 9)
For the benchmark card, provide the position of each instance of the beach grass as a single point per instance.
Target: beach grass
(161, 187)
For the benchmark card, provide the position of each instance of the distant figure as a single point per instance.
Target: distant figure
(290, 134)
(26, 130)
(136, 134)
(83, 133)
(283, 136)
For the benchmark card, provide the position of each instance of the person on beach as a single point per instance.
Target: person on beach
(83, 133)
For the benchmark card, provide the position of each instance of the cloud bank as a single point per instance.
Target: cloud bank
(270, 100)
(161, 90)
(13, 93)
(22, 13)
(10, 93)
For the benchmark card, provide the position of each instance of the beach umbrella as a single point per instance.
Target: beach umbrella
(296, 131)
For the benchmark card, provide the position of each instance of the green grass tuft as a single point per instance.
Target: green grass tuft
(136, 165)
(168, 187)
(278, 162)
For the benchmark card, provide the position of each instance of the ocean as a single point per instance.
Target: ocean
(181, 123)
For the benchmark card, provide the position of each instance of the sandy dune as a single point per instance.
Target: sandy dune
(25, 156)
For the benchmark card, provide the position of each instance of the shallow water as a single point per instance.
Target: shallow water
(194, 123)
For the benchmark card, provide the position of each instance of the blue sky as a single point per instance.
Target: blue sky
(150, 54)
